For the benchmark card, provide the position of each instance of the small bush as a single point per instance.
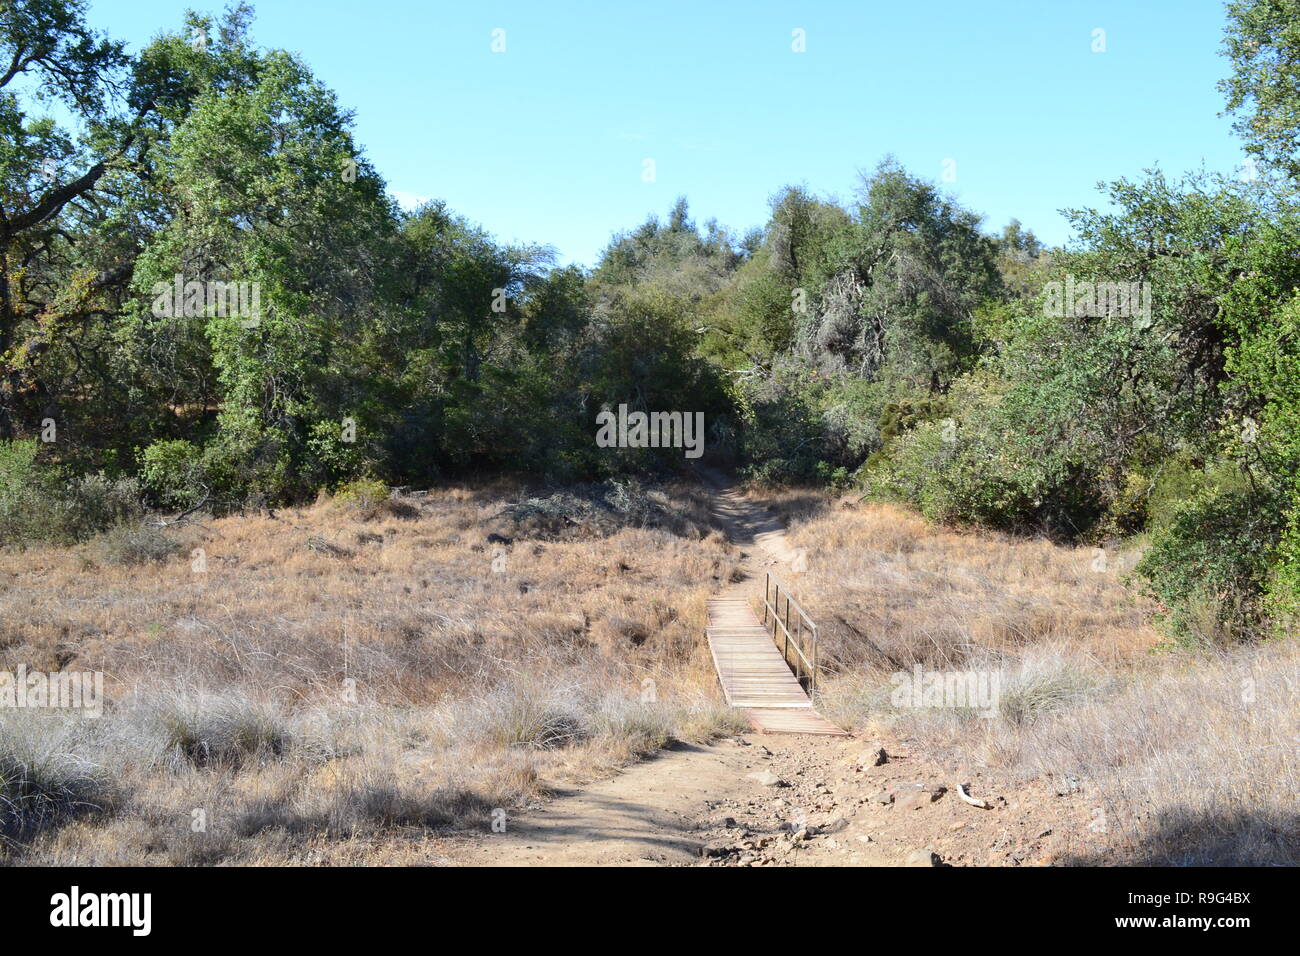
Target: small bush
(35, 505)
(44, 779)
(221, 729)
(95, 503)
(1283, 591)
(561, 515)
(173, 472)
(364, 495)
(1046, 680)
(597, 511)
(516, 715)
(30, 508)
(638, 727)
(133, 544)
(975, 471)
(372, 794)
(1208, 568)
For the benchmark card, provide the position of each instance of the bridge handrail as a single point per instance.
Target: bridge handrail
(775, 589)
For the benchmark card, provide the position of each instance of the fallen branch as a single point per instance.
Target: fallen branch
(166, 522)
(967, 798)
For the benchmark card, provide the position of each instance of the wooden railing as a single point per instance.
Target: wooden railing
(799, 635)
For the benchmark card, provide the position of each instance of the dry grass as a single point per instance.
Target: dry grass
(347, 680)
(1193, 758)
(904, 592)
(1196, 762)
(348, 675)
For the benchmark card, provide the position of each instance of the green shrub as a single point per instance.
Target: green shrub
(1209, 566)
(36, 506)
(1181, 481)
(835, 477)
(173, 471)
(956, 476)
(30, 507)
(365, 495)
(1282, 592)
(95, 503)
(901, 416)
(335, 458)
(981, 465)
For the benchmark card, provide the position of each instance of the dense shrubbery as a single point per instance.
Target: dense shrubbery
(1209, 566)
(599, 510)
(37, 505)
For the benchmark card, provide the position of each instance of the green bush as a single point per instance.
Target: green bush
(1208, 568)
(1282, 594)
(1181, 481)
(365, 495)
(901, 416)
(95, 503)
(950, 476)
(837, 478)
(30, 506)
(36, 506)
(173, 472)
(334, 458)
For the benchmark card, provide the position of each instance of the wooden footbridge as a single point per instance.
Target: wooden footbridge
(768, 668)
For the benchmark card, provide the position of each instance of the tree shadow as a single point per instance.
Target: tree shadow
(1182, 837)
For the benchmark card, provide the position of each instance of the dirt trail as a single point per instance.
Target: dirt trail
(759, 535)
(648, 815)
(783, 800)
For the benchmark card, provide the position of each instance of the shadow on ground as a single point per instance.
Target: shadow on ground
(1182, 837)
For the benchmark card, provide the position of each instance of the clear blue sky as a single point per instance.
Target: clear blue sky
(545, 142)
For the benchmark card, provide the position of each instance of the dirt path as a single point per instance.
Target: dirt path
(648, 815)
(759, 535)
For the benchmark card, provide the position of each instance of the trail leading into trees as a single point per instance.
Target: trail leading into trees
(653, 812)
(753, 672)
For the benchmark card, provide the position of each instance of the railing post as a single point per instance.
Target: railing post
(812, 687)
(787, 627)
(798, 643)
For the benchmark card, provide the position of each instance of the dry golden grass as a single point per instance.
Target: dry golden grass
(1193, 758)
(345, 682)
(900, 591)
(347, 675)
